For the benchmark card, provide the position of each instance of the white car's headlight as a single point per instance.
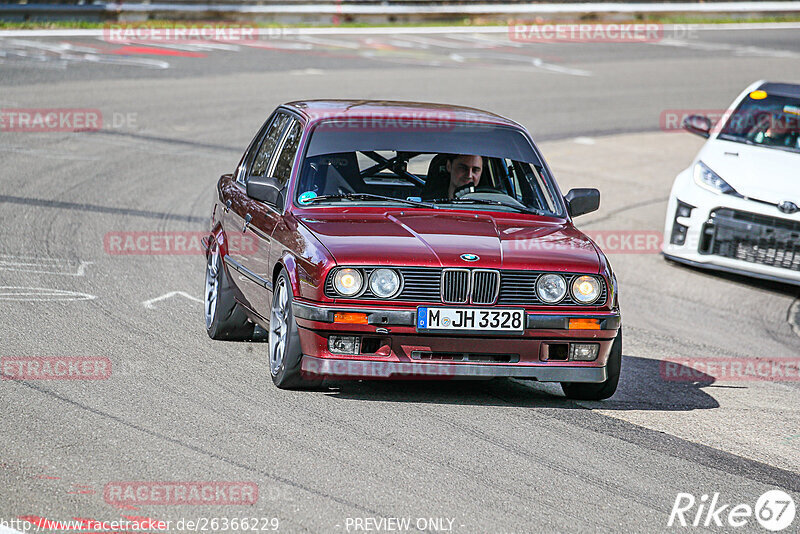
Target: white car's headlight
(551, 288)
(384, 283)
(708, 179)
(586, 289)
(348, 282)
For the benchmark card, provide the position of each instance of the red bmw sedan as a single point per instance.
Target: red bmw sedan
(380, 239)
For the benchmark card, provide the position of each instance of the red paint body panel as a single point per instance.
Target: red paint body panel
(436, 238)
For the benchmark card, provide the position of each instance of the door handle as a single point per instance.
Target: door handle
(247, 219)
(228, 205)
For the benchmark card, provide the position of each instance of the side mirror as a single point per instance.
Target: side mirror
(264, 189)
(698, 125)
(583, 200)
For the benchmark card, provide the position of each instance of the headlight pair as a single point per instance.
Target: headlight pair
(384, 283)
(552, 288)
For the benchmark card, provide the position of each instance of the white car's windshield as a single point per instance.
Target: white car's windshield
(767, 120)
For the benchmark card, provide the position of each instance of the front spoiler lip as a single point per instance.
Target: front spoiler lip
(333, 368)
(733, 270)
(382, 317)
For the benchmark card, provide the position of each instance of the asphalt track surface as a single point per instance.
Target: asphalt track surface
(500, 456)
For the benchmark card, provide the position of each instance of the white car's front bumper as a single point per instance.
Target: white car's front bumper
(733, 234)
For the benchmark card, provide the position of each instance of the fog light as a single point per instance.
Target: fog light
(583, 352)
(683, 210)
(678, 236)
(344, 344)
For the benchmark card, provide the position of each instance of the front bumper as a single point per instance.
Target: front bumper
(732, 234)
(340, 368)
(391, 347)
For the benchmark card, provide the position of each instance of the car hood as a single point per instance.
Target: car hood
(757, 172)
(421, 238)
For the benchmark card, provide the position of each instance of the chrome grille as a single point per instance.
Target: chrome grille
(485, 286)
(455, 286)
(427, 284)
(518, 288)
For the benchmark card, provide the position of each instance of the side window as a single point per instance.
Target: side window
(268, 145)
(283, 166)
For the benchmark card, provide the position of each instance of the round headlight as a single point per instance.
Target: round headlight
(348, 282)
(551, 288)
(585, 289)
(384, 283)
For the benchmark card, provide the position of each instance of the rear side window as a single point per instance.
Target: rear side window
(283, 166)
(268, 145)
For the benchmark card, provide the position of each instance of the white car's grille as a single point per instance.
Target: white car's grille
(753, 238)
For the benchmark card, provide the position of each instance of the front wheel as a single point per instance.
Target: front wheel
(285, 354)
(603, 390)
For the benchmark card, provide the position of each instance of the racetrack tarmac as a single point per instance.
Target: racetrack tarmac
(498, 456)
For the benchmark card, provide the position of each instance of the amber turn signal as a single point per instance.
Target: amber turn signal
(584, 324)
(350, 318)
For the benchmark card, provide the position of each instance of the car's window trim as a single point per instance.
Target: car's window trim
(278, 145)
(252, 148)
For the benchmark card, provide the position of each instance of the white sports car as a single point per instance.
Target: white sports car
(736, 208)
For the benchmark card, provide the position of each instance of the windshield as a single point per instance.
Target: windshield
(768, 120)
(480, 177)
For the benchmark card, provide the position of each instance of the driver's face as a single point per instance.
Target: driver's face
(464, 170)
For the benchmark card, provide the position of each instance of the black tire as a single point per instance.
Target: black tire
(603, 390)
(285, 354)
(225, 319)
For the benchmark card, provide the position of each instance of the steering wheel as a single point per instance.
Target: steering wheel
(465, 190)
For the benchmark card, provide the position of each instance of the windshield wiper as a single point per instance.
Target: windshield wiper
(522, 209)
(368, 196)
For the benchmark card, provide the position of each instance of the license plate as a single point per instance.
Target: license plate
(470, 319)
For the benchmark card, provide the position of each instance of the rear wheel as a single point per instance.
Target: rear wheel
(603, 390)
(225, 319)
(285, 354)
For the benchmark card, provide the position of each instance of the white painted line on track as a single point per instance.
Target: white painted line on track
(41, 294)
(584, 141)
(8, 530)
(150, 304)
(270, 33)
(41, 265)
